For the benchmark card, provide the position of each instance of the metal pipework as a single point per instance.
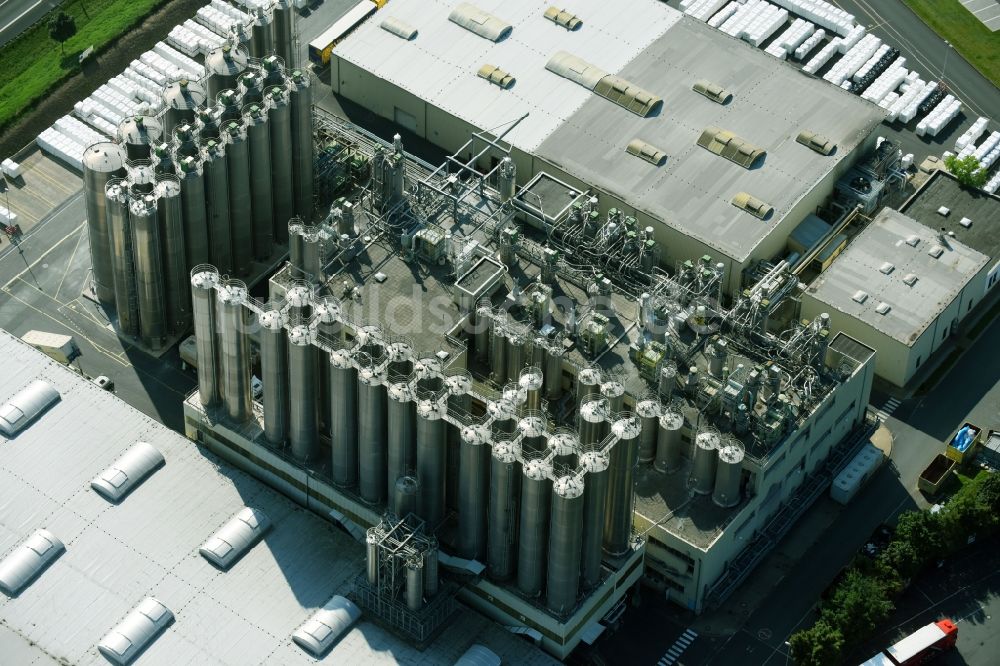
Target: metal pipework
(505, 495)
(533, 533)
(371, 434)
(566, 524)
(595, 464)
(274, 373)
(102, 162)
(343, 418)
(473, 484)
(233, 350)
(648, 410)
(621, 496)
(303, 425)
(431, 451)
(204, 279)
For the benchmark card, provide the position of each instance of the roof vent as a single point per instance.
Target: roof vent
(326, 625)
(401, 29)
(646, 151)
(816, 142)
(752, 205)
(910, 279)
(628, 95)
(135, 632)
(27, 561)
(860, 296)
(728, 145)
(965, 222)
(575, 69)
(235, 537)
(127, 472)
(482, 23)
(563, 18)
(944, 211)
(714, 92)
(495, 75)
(936, 251)
(25, 405)
(883, 308)
(886, 267)
(913, 241)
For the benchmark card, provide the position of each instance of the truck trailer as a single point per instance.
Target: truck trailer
(920, 647)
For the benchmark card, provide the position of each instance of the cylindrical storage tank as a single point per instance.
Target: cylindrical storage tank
(431, 569)
(300, 99)
(261, 202)
(204, 280)
(303, 430)
(295, 249)
(299, 300)
(137, 134)
(101, 163)
(668, 380)
(728, 475)
(274, 70)
(217, 205)
(170, 218)
(565, 547)
(588, 381)
(504, 415)
(614, 391)
(223, 65)
(262, 35)
(648, 410)
(241, 227)
(141, 178)
(668, 441)
(280, 126)
(185, 140)
(533, 432)
(371, 435)
(706, 457)
(229, 105)
(459, 386)
(405, 493)
(481, 346)
(193, 211)
(473, 486)
(148, 262)
(284, 32)
(251, 86)
(621, 495)
(595, 497)
(122, 257)
(533, 532)
(553, 373)
(415, 584)
(427, 371)
(371, 558)
(531, 380)
(162, 158)
(343, 419)
(180, 99)
(234, 355)
(327, 325)
(498, 353)
(505, 495)
(564, 445)
(515, 356)
(593, 420)
(401, 431)
(208, 124)
(431, 451)
(274, 373)
(311, 254)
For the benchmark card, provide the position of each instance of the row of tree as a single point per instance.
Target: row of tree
(863, 599)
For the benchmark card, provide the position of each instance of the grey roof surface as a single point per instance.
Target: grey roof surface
(116, 555)
(913, 308)
(983, 209)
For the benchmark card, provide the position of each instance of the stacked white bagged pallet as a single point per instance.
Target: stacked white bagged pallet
(821, 13)
(887, 81)
(853, 60)
(755, 21)
(149, 87)
(940, 115)
(889, 100)
(207, 39)
(7, 217)
(192, 69)
(255, 4)
(701, 9)
(67, 139)
(868, 66)
(822, 57)
(734, 25)
(791, 38)
(11, 168)
(988, 151)
(806, 47)
(171, 71)
(972, 134)
(851, 39)
(905, 108)
(240, 17)
(132, 90)
(212, 18)
(993, 184)
(184, 40)
(106, 103)
(723, 15)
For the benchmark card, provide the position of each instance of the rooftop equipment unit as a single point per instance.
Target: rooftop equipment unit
(136, 631)
(646, 151)
(482, 23)
(495, 75)
(752, 205)
(127, 472)
(816, 142)
(326, 625)
(25, 405)
(235, 538)
(563, 18)
(26, 561)
(714, 92)
(399, 28)
(728, 145)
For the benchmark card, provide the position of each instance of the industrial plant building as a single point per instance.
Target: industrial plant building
(662, 116)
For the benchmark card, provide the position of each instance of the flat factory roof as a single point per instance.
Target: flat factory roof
(651, 46)
(982, 210)
(147, 545)
(878, 269)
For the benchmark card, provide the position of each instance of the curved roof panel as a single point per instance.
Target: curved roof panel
(27, 561)
(235, 537)
(127, 472)
(25, 405)
(482, 23)
(326, 625)
(135, 632)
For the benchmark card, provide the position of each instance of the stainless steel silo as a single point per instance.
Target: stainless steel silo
(208, 123)
(481, 332)
(101, 163)
(185, 140)
(648, 410)
(223, 65)
(614, 391)
(147, 249)
(498, 353)
(564, 445)
(343, 418)
(531, 380)
(668, 380)
(122, 264)
(217, 205)
(303, 431)
(431, 569)
(300, 100)
(261, 202)
(229, 105)
(553, 372)
(427, 372)
(516, 358)
(295, 249)
(593, 420)
(401, 431)
(668, 442)
(311, 254)
(170, 216)
(371, 556)
(234, 354)
(728, 475)
(588, 381)
(533, 433)
(371, 434)
(504, 415)
(565, 545)
(473, 488)
(251, 87)
(505, 496)
(299, 298)
(262, 34)
(238, 168)
(137, 134)
(595, 496)
(274, 373)
(706, 458)
(404, 497)
(204, 280)
(193, 211)
(533, 532)
(431, 451)
(621, 491)
(180, 99)
(284, 31)
(280, 127)
(327, 323)
(163, 159)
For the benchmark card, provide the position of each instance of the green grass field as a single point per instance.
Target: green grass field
(33, 64)
(966, 33)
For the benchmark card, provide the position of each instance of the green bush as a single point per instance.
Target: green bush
(966, 170)
(819, 645)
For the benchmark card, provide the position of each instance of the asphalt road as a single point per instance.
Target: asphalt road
(17, 15)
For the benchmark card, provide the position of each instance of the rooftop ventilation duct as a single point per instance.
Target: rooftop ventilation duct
(127, 472)
(620, 91)
(326, 625)
(563, 18)
(646, 151)
(816, 142)
(138, 629)
(728, 145)
(26, 561)
(401, 29)
(482, 23)
(752, 205)
(575, 69)
(25, 405)
(495, 75)
(235, 537)
(714, 92)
